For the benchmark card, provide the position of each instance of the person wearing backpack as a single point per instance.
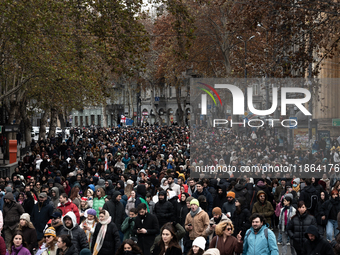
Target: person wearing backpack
(329, 212)
(309, 196)
(259, 239)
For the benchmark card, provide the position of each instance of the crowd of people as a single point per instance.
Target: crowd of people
(129, 191)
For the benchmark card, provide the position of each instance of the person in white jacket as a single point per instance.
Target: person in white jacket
(89, 224)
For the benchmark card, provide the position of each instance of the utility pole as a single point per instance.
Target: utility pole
(310, 84)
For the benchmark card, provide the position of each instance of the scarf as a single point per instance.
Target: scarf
(193, 214)
(297, 188)
(91, 224)
(42, 249)
(102, 233)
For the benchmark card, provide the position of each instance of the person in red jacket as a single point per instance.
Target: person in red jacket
(66, 205)
(2, 246)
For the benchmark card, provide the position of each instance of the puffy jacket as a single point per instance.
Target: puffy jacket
(98, 203)
(305, 196)
(164, 210)
(69, 206)
(318, 246)
(241, 221)
(200, 222)
(127, 227)
(241, 191)
(297, 228)
(327, 207)
(182, 212)
(11, 212)
(78, 235)
(208, 197)
(111, 240)
(115, 209)
(40, 216)
(266, 209)
(220, 199)
(70, 251)
(259, 244)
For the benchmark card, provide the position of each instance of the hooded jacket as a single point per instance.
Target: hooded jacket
(70, 251)
(69, 206)
(266, 209)
(78, 235)
(241, 191)
(115, 209)
(55, 199)
(182, 211)
(220, 199)
(305, 195)
(164, 210)
(318, 246)
(11, 212)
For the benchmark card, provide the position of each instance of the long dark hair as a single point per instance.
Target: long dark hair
(173, 242)
(12, 243)
(200, 252)
(134, 246)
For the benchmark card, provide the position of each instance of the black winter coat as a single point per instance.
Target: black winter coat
(164, 211)
(241, 222)
(297, 228)
(40, 216)
(318, 212)
(28, 203)
(182, 211)
(71, 251)
(115, 209)
(78, 236)
(172, 251)
(305, 195)
(150, 223)
(241, 191)
(327, 207)
(220, 199)
(318, 246)
(111, 241)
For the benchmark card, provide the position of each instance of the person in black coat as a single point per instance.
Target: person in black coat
(65, 246)
(321, 223)
(298, 226)
(316, 244)
(168, 245)
(115, 209)
(105, 238)
(182, 209)
(221, 196)
(146, 228)
(28, 203)
(164, 210)
(129, 247)
(329, 212)
(240, 217)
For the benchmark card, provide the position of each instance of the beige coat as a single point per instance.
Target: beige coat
(200, 223)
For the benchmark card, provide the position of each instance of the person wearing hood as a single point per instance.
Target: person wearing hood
(28, 231)
(72, 229)
(41, 214)
(11, 214)
(329, 212)
(241, 191)
(182, 209)
(109, 188)
(316, 244)
(296, 186)
(263, 207)
(228, 207)
(218, 217)
(256, 241)
(55, 196)
(221, 196)
(66, 205)
(105, 237)
(201, 191)
(115, 209)
(240, 217)
(164, 209)
(196, 222)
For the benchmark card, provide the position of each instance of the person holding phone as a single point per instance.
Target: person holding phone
(218, 217)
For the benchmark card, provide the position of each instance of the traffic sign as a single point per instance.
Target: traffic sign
(291, 123)
(156, 99)
(336, 122)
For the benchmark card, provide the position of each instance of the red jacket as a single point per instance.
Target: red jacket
(69, 207)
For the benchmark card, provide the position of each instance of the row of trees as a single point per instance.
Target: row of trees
(59, 55)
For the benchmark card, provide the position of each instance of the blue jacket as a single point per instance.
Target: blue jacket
(258, 244)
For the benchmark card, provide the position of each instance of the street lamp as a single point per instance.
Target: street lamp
(245, 70)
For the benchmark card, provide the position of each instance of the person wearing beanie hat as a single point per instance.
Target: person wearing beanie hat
(296, 186)
(89, 224)
(200, 243)
(224, 241)
(47, 246)
(196, 223)
(228, 207)
(28, 231)
(218, 217)
(85, 252)
(263, 207)
(212, 251)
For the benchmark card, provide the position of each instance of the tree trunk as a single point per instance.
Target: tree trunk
(43, 122)
(27, 122)
(179, 107)
(53, 123)
(104, 115)
(61, 118)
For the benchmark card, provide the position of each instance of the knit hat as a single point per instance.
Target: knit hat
(200, 242)
(231, 194)
(8, 189)
(84, 198)
(85, 251)
(189, 199)
(194, 202)
(50, 232)
(212, 251)
(129, 182)
(289, 195)
(217, 211)
(297, 180)
(91, 212)
(25, 216)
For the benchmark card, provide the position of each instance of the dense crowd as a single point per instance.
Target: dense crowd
(129, 191)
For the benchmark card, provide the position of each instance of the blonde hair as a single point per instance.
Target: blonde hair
(220, 228)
